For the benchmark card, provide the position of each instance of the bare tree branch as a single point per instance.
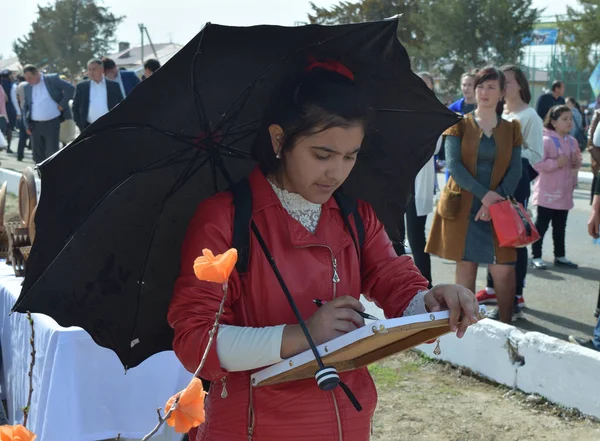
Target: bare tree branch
(27, 408)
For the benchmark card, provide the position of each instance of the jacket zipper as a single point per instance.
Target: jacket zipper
(336, 276)
(337, 415)
(335, 279)
(224, 389)
(251, 414)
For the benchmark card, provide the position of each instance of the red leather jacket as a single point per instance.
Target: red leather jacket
(298, 410)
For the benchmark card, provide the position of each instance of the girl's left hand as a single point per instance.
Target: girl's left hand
(459, 300)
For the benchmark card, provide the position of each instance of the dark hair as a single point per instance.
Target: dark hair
(108, 63)
(310, 103)
(521, 79)
(95, 61)
(557, 85)
(427, 75)
(553, 114)
(30, 68)
(152, 65)
(573, 101)
(492, 73)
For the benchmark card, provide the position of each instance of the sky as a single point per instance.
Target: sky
(166, 22)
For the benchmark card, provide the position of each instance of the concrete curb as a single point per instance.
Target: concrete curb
(563, 373)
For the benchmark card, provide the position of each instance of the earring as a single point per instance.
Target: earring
(278, 155)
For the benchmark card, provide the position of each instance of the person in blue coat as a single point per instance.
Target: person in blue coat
(127, 79)
(467, 103)
(464, 105)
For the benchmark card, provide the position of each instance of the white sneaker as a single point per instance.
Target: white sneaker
(407, 249)
(539, 264)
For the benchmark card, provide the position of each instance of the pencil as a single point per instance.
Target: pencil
(320, 303)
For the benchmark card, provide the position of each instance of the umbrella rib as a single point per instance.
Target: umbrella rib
(236, 152)
(181, 180)
(89, 213)
(129, 126)
(425, 112)
(198, 102)
(244, 125)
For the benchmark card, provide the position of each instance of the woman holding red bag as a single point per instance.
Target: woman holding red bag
(553, 190)
(484, 158)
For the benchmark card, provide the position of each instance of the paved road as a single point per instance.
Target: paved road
(558, 301)
(9, 160)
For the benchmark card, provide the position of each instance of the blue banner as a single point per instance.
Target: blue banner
(541, 37)
(595, 81)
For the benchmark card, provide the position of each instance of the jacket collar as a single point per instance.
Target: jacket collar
(330, 231)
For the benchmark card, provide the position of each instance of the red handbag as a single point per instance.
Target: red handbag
(512, 224)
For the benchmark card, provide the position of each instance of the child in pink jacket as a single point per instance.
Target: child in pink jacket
(554, 187)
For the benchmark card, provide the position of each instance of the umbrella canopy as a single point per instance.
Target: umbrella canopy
(116, 202)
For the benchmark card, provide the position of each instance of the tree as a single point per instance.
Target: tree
(581, 31)
(468, 34)
(411, 28)
(446, 36)
(67, 34)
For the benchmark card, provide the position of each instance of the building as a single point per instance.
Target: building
(132, 58)
(538, 82)
(11, 64)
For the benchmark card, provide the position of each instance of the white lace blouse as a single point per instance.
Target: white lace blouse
(241, 348)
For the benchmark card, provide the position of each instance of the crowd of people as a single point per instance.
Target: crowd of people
(503, 147)
(45, 108)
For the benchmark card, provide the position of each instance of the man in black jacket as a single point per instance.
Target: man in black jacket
(94, 97)
(549, 100)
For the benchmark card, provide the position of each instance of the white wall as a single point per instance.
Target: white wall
(563, 373)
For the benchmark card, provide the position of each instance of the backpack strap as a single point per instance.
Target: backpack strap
(349, 207)
(242, 213)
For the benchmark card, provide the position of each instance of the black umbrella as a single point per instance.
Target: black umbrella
(116, 202)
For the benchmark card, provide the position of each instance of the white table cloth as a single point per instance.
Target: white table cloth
(80, 390)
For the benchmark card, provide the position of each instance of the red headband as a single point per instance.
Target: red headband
(331, 65)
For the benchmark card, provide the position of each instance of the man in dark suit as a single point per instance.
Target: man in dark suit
(549, 100)
(127, 79)
(94, 97)
(46, 106)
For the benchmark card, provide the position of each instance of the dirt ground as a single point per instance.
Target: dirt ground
(422, 399)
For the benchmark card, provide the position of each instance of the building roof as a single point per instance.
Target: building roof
(131, 58)
(11, 64)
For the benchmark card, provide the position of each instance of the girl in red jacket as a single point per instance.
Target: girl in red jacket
(307, 148)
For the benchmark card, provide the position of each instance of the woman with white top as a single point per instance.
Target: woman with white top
(516, 106)
(421, 204)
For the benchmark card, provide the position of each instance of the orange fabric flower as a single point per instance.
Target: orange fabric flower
(16, 433)
(190, 409)
(211, 268)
